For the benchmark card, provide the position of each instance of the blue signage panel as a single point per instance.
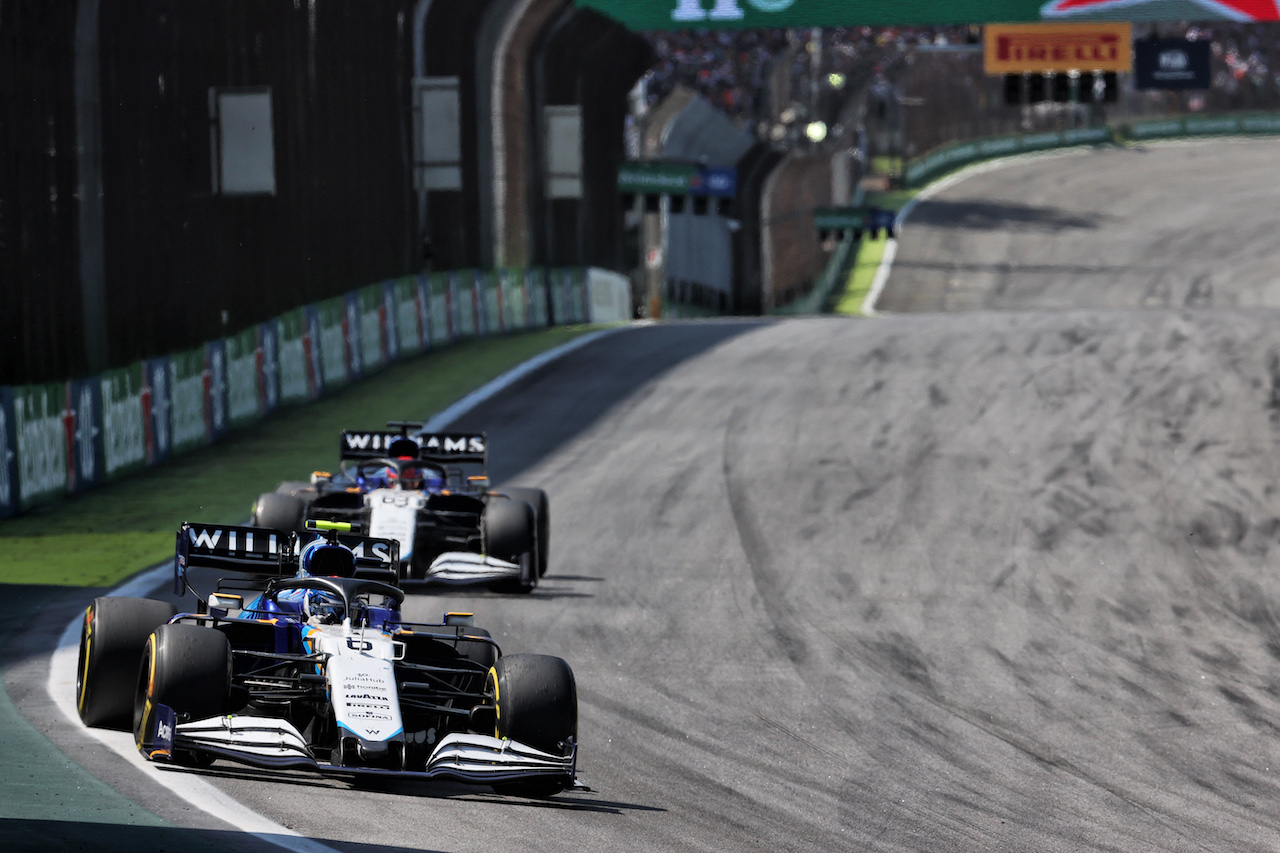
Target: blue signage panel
(1170, 64)
(83, 421)
(157, 408)
(8, 456)
(718, 181)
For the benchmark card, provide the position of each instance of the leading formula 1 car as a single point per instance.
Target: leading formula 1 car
(300, 658)
(413, 487)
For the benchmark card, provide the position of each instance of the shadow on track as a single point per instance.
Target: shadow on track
(556, 404)
(1001, 216)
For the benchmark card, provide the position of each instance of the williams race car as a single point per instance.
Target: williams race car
(300, 658)
(429, 492)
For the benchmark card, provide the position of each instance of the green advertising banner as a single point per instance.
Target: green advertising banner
(124, 425)
(42, 442)
(641, 15)
(291, 330)
(535, 283)
(490, 304)
(372, 312)
(409, 316)
(440, 311)
(243, 402)
(331, 315)
(187, 412)
(515, 307)
(467, 302)
(637, 177)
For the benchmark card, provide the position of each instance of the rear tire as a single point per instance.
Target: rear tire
(537, 702)
(112, 640)
(537, 498)
(186, 667)
(279, 512)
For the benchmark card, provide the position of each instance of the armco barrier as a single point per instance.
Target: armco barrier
(938, 162)
(65, 437)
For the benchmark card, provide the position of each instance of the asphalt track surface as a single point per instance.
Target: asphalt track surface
(994, 571)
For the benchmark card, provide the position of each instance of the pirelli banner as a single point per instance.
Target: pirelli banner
(1045, 48)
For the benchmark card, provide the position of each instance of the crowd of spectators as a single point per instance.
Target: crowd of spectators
(755, 76)
(764, 78)
(728, 68)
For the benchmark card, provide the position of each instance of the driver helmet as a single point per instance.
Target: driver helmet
(421, 478)
(319, 558)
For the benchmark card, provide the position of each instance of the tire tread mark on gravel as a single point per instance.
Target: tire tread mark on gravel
(991, 727)
(755, 548)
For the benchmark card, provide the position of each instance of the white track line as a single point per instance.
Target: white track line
(190, 786)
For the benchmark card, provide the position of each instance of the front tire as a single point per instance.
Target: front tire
(112, 640)
(537, 705)
(537, 498)
(509, 534)
(186, 667)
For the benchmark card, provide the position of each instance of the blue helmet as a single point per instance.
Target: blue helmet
(322, 559)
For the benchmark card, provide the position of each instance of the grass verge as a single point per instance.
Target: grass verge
(100, 537)
(858, 283)
(870, 251)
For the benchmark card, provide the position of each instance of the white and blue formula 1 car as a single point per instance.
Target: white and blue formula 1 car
(430, 492)
(299, 658)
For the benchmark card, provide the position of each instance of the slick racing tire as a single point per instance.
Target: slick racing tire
(112, 639)
(277, 511)
(186, 667)
(537, 705)
(537, 499)
(508, 529)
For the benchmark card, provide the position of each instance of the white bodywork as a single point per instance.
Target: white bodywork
(361, 682)
(393, 514)
(465, 567)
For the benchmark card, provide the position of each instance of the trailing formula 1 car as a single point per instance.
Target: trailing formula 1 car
(300, 658)
(429, 492)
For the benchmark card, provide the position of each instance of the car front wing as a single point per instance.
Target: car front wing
(276, 744)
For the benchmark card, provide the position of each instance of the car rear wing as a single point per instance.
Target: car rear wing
(436, 447)
(265, 552)
(246, 550)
